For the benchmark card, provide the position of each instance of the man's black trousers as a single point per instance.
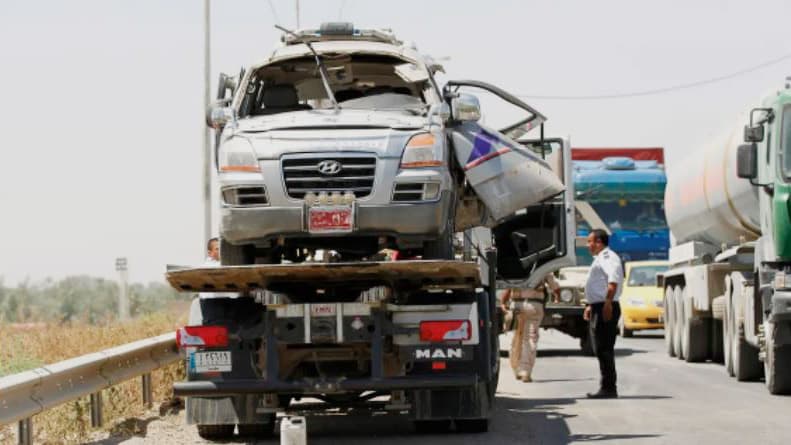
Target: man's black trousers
(604, 333)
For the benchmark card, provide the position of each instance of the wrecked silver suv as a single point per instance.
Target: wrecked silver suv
(342, 140)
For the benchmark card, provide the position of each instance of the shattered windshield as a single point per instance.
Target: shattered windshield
(386, 101)
(357, 81)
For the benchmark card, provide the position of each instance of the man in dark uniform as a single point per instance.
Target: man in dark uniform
(602, 290)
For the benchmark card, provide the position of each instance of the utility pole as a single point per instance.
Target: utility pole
(297, 14)
(207, 151)
(123, 300)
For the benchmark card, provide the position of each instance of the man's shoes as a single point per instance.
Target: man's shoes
(604, 394)
(523, 376)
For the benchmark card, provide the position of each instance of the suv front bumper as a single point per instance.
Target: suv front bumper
(418, 221)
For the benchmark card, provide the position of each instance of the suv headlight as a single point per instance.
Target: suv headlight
(566, 295)
(423, 150)
(237, 155)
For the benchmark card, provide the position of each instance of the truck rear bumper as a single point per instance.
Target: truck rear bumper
(257, 386)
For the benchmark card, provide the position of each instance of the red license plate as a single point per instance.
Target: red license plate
(330, 219)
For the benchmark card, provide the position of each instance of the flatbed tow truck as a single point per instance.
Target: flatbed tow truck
(342, 140)
(421, 333)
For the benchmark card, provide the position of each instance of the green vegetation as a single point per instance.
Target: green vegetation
(80, 298)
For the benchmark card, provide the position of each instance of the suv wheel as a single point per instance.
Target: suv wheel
(441, 248)
(233, 255)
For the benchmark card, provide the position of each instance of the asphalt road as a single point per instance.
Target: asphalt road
(663, 401)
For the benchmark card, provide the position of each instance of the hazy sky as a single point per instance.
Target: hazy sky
(102, 113)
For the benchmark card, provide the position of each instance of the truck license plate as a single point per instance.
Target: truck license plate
(322, 310)
(330, 219)
(210, 361)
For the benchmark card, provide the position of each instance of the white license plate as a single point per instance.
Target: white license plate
(330, 219)
(211, 361)
(322, 310)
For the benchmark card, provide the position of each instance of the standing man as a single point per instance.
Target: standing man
(602, 290)
(528, 306)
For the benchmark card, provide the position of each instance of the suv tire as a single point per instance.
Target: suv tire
(233, 255)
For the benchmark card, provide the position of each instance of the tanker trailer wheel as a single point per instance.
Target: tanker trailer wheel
(777, 363)
(746, 365)
(679, 322)
(670, 321)
(695, 333)
(216, 432)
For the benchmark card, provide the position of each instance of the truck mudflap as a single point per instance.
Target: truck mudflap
(257, 386)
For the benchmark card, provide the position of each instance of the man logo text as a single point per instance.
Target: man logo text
(438, 353)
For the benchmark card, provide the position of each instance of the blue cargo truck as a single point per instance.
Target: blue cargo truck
(626, 189)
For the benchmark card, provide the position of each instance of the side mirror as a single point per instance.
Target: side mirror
(747, 161)
(465, 108)
(219, 114)
(753, 134)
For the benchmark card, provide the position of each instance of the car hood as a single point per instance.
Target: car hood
(323, 131)
(318, 119)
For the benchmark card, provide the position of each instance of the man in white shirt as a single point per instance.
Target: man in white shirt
(212, 253)
(602, 290)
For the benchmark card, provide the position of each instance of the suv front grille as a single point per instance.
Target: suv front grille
(356, 175)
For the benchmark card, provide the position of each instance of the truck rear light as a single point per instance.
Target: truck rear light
(445, 330)
(206, 336)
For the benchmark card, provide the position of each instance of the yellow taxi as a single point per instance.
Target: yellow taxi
(641, 299)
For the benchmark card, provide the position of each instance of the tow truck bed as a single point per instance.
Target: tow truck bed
(417, 273)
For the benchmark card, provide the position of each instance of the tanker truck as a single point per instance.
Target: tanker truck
(728, 291)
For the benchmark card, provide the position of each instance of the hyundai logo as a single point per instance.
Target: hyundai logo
(329, 167)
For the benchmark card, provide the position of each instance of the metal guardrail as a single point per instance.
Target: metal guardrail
(28, 393)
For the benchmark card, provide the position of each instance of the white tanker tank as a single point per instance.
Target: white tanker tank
(705, 200)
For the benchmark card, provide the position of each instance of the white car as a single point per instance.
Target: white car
(342, 140)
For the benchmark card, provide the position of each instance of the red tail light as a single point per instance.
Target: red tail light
(206, 336)
(445, 330)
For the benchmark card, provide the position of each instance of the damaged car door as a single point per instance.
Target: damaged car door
(539, 239)
(525, 200)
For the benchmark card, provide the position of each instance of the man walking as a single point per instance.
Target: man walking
(602, 290)
(528, 306)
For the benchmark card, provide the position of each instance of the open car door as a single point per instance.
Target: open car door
(505, 175)
(520, 184)
(539, 239)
